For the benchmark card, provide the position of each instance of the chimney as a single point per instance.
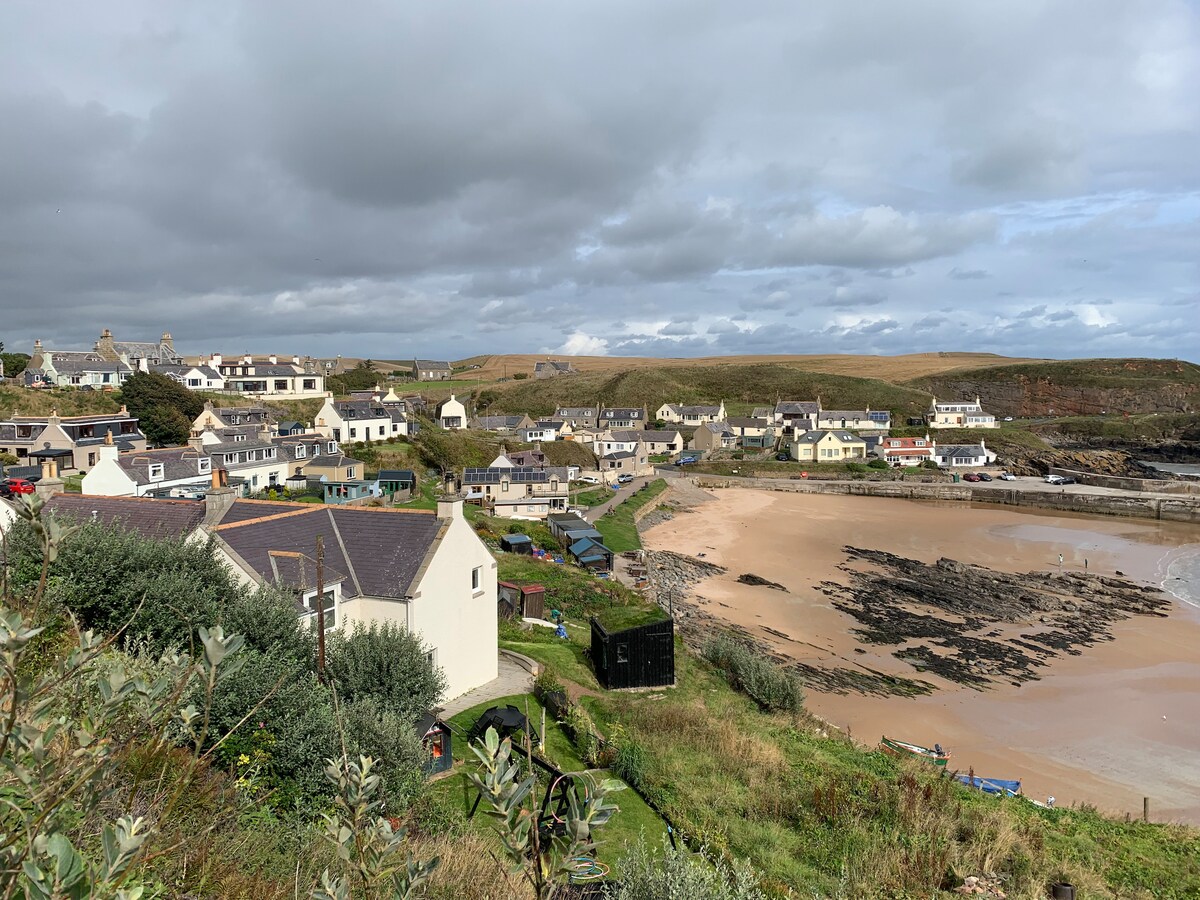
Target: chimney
(37, 346)
(219, 498)
(215, 360)
(124, 410)
(167, 341)
(274, 359)
(196, 442)
(104, 346)
(247, 359)
(49, 484)
(449, 507)
(295, 360)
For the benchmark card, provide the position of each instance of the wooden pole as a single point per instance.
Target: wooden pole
(321, 607)
(1145, 809)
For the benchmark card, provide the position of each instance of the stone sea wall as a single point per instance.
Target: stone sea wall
(1173, 509)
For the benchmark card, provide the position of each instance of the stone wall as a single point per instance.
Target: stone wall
(1181, 509)
(1152, 485)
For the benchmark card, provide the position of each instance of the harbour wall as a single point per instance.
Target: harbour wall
(1140, 506)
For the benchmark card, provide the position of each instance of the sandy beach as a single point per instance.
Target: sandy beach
(1118, 722)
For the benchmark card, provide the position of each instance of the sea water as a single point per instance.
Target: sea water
(1187, 469)
(1182, 577)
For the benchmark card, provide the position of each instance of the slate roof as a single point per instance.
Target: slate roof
(575, 412)
(556, 365)
(626, 436)
(383, 549)
(490, 423)
(960, 451)
(149, 518)
(179, 463)
(811, 437)
(397, 475)
(183, 369)
(430, 364)
(361, 409)
(797, 408)
(332, 461)
(743, 422)
(762, 412)
(244, 510)
(659, 437)
(623, 412)
(79, 367)
(620, 454)
(695, 410)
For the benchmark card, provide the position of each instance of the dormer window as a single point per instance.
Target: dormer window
(156, 472)
(301, 451)
(239, 437)
(270, 453)
(203, 465)
(333, 446)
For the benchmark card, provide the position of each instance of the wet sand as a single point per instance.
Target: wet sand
(1091, 730)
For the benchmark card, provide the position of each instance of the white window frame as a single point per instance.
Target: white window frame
(155, 472)
(477, 579)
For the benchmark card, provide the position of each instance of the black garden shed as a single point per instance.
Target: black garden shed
(633, 648)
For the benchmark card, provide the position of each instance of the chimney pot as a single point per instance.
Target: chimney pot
(449, 507)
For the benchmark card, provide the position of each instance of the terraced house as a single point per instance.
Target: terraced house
(72, 442)
(349, 421)
(73, 368)
(828, 446)
(269, 377)
(677, 413)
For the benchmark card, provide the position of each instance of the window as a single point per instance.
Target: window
(310, 384)
(91, 460)
(281, 384)
(353, 432)
(350, 472)
(622, 653)
(193, 382)
(382, 431)
(476, 578)
(301, 451)
(156, 471)
(330, 609)
(204, 464)
(333, 445)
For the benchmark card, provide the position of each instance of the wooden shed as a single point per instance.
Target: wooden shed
(524, 600)
(517, 543)
(633, 648)
(591, 554)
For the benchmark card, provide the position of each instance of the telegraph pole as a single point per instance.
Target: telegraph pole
(321, 607)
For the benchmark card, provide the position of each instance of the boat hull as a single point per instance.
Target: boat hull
(904, 749)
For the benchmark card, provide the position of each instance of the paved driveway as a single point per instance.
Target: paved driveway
(618, 497)
(512, 679)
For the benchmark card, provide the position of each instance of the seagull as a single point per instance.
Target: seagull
(58, 210)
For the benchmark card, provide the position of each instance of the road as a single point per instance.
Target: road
(618, 497)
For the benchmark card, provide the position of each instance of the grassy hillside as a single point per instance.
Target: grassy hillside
(740, 386)
(1088, 373)
(27, 402)
(821, 816)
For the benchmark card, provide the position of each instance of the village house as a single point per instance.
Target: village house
(140, 356)
(501, 424)
(516, 492)
(906, 451)
(578, 416)
(350, 421)
(797, 416)
(534, 458)
(714, 436)
(877, 421)
(827, 446)
(675, 413)
(660, 443)
(73, 442)
(431, 370)
(216, 418)
(622, 417)
(271, 377)
(957, 456)
(71, 368)
(452, 414)
(171, 471)
(552, 368)
(751, 433)
(540, 432)
(426, 572)
(194, 378)
(961, 414)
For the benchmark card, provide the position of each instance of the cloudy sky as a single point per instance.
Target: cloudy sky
(629, 178)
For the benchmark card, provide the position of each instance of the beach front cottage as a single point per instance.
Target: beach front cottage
(714, 436)
(679, 414)
(427, 572)
(753, 434)
(875, 421)
(350, 421)
(959, 456)
(452, 414)
(516, 492)
(797, 416)
(177, 470)
(907, 451)
(828, 446)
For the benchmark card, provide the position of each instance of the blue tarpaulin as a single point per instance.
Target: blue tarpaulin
(991, 785)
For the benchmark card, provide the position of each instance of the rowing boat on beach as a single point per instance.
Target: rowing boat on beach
(904, 748)
(1000, 786)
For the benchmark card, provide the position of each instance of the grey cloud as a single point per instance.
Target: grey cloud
(966, 274)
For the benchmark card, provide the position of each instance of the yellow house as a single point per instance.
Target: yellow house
(828, 446)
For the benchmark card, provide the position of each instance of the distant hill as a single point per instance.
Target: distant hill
(740, 386)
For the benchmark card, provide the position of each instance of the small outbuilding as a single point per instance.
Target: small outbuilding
(436, 739)
(397, 483)
(525, 600)
(591, 554)
(517, 543)
(633, 647)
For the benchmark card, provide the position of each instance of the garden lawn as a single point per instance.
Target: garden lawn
(618, 527)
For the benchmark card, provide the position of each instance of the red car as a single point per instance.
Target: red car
(11, 486)
(971, 476)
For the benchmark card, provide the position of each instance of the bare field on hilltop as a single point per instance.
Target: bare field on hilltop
(886, 368)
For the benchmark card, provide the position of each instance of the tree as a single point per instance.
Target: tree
(387, 663)
(13, 363)
(152, 398)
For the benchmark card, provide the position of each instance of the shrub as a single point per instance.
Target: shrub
(583, 733)
(546, 683)
(769, 685)
(373, 731)
(670, 874)
(388, 663)
(629, 761)
(855, 467)
(877, 464)
(268, 622)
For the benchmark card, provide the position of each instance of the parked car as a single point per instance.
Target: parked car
(11, 486)
(1068, 480)
(1059, 479)
(971, 476)
(782, 457)
(624, 478)
(588, 479)
(1008, 418)
(685, 461)
(984, 476)
(1007, 476)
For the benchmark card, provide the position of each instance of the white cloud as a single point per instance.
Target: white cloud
(580, 344)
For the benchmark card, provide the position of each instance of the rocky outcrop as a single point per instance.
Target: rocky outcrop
(1098, 462)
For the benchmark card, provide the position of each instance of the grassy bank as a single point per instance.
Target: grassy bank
(618, 526)
(822, 816)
